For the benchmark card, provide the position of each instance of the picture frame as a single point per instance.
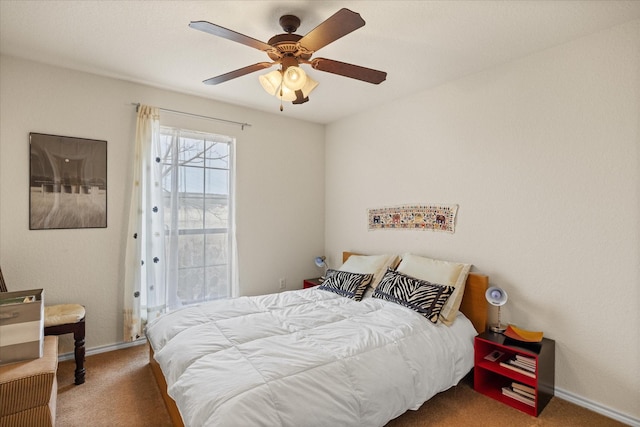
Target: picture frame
(67, 182)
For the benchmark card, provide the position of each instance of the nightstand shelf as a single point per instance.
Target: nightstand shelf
(490, 377)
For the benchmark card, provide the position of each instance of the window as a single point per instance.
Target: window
(197, 213)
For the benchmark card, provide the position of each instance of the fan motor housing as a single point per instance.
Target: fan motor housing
(286, 44)
(289, 23)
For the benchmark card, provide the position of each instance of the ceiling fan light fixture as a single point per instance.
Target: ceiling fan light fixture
(271, 82)
(309, 86)
(294, 78)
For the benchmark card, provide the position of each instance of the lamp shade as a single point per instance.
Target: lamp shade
(294, 78)
(287, 94)
(496, 296)
(309, 86)
(320, 261)
(271, 82)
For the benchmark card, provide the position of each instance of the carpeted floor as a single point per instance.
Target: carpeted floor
(120, 391)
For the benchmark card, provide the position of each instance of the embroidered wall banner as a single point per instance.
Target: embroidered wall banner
(414, 217)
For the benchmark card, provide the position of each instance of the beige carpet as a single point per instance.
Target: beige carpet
(120, 391)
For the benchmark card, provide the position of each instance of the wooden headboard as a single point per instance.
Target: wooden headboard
(474, 304)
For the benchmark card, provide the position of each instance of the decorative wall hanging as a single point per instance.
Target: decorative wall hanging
(414, 217)
(68, 182)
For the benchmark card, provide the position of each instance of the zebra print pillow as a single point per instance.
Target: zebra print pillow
(419, 295)
(347, 284)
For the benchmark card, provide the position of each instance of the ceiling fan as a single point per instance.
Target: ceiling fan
(289, 50)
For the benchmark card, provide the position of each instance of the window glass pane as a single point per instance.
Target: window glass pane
(217, 248)
(217, 282)
(191, 180)
(217, 155)
(191, 151)
(191, 285)
(190, 251)
(216, 181)
(188, 214)
(217, 212)
(217, 277)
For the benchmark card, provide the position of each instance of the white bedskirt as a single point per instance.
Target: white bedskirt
(305, 358)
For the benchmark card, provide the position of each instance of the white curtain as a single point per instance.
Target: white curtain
(145, 291)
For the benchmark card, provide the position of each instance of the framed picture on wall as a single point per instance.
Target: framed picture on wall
(67, 182)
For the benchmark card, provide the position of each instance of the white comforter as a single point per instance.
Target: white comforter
(305, 358)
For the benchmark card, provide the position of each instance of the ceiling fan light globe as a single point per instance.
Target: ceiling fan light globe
(309, 86)
(287, 94)
(271, 82)
(294, 78)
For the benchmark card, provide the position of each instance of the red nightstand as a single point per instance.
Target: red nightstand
(310, 283)
(490, 376)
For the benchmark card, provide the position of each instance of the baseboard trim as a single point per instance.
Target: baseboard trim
(104, 349)
(597, 407)
(560, 393)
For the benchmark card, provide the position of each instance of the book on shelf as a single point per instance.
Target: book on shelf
(519, 397)
(530, 395)
(526, 359)
(523, 365)
(524, 388)
(508, 364)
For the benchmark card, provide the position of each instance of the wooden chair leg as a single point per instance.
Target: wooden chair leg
(78, 336)
(78, 330)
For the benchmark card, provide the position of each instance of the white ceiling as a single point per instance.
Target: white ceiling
(420, 44)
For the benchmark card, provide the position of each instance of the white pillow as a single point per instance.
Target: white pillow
(370, 264)
(441, 272)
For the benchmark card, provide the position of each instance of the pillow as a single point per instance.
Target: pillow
(442, 272)
(347, 284)
(424, 297)
(370, 264)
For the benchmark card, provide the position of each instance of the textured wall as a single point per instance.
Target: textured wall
(542, 155)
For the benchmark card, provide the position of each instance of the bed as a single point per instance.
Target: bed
(312, 357)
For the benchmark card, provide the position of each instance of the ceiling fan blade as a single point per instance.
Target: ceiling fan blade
(219, 31)
(339, 24)
(349, 70)
(238, 73)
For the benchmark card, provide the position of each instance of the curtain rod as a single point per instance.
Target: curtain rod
(242, 125)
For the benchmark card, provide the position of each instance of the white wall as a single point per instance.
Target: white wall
(542, 155)
(280, 182)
